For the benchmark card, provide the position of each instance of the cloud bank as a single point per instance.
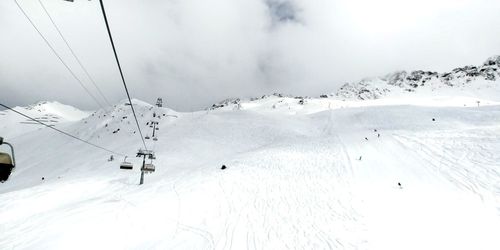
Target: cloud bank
(196, 52)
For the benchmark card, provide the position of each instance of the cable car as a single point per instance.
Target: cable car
(126, 165)
(7, 163)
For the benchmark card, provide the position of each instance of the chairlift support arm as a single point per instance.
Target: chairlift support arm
(12, 150)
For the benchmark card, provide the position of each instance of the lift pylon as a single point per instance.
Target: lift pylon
(146, 168)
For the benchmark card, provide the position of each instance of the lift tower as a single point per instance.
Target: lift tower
(146, 168)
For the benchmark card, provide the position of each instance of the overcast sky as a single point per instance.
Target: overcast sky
(197, 52)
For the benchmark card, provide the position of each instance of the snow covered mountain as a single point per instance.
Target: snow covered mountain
(51, 113)
(464, 86)
(416, 170)
(477, 81)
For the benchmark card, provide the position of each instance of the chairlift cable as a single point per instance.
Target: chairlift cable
(56, 54)
(60, 131)
(121, 73)
(73, 53)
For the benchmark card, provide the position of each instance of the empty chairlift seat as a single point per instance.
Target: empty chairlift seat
(7, 162)
(126, 165)
(149, 167)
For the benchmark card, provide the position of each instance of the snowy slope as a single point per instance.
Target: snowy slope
(294, 180)
(302, 173)
(52, 113)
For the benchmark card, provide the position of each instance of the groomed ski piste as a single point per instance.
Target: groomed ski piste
(314, 173)
(297, 177)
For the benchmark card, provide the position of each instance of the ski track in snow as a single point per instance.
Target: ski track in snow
(292, 182)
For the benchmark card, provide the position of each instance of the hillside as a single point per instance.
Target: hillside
(297, 179)
(418, 170)
(51, 113)
(464, 86)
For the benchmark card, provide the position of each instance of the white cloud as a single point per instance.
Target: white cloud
(195, 52)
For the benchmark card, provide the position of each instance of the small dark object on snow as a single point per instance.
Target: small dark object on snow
(366, 138)
(360, 158)
(375, 130)
(223, 167)
(43, 178)
(433, 119)
(378, 135)
(399, 184)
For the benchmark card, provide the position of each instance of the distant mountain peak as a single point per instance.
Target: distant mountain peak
(463, 78)
(48, 112)
(493, 61)
(57, 109)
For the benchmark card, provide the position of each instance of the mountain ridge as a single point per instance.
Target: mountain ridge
(481, 81)
(412, 81)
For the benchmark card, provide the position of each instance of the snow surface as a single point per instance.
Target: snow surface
(472, 81)
(294, 178)
(51, 113)
(302, 173)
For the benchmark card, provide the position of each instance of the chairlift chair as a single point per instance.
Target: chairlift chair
(126, 165)
(149, 167)
(7, 162)
(155, 139)
(147, 137)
